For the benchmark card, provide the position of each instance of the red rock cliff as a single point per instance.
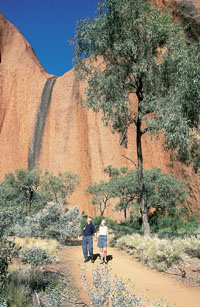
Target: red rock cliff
(62, 136)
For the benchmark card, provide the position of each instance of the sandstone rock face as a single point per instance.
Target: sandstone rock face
(42, 123)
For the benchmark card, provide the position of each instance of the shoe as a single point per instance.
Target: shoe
(106, 262)
(92, 260)
(101, 262)
(86, 260)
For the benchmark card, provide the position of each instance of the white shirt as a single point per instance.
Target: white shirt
(103, 230)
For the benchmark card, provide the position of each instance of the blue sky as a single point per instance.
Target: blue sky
(47, 25)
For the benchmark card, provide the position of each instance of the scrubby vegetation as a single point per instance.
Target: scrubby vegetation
(36, 256)
(49, 245)
(160, 254)
(118, 293)
(52, 222)
(29, 191)
(33, 287)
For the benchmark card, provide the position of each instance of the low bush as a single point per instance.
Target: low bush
(3, 302)
(52, 222)
(7, 252)
(157, 253)
(160, 254)
(36, 256)
(103, 293)
(176, 220)
(190, 245)
(53, 289)
(34, 279)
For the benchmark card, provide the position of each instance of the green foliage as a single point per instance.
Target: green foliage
(157, 253)
(36, 256)
(52, 287)
(29, 191)
(160, 254)
(101, 195)
(20, 191)
(190, 245)
(8, 218)
(18, 295)
(125, 187)
(58, 188)
(195, 150)
(129, 36)
(119, 293)
(3, 302)
(33, 279)
(52, 222)
(175, 220)
(163, 191)
(7, 252)
(133, 48)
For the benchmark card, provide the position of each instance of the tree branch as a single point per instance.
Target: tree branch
(130, 160)
(145, 130)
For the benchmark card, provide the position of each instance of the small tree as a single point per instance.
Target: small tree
(58, 188)
(21, 190)
(134, 48)
(101, 194)
(164, 192)
(123, 184)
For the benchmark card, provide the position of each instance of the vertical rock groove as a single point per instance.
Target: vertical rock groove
(36, 142)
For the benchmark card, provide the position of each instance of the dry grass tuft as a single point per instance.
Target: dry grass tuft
(49, 245)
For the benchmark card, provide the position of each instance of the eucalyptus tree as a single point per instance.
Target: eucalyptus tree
(132, 47)
(22, 190)
(101, 195)
(58, 188)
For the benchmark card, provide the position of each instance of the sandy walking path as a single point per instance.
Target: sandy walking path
(153, 284)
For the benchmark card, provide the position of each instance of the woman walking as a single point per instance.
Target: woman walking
(103, 241)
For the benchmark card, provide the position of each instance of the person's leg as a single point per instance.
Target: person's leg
(101, 254)
(90, 242)
(105, 254)
(84, 247)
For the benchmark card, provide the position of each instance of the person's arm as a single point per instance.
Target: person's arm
(107, 235)
(94, 232)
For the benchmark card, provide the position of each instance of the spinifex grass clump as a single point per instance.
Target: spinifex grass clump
(157, 253)
(49, 245)
(190, 245)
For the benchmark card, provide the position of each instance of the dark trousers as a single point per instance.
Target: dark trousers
(87, 242)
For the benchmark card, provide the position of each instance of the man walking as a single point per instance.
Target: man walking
(87, 240)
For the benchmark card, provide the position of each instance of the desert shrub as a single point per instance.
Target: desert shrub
(22, 285)
(157, 253)
(36, 256)
(34, 279)
(7, 252)
(119, 293)
(190, 245)
(3, 302)
(52, 222)
(100, 292)
(60, 294)
(52, 297)
(176, 220)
